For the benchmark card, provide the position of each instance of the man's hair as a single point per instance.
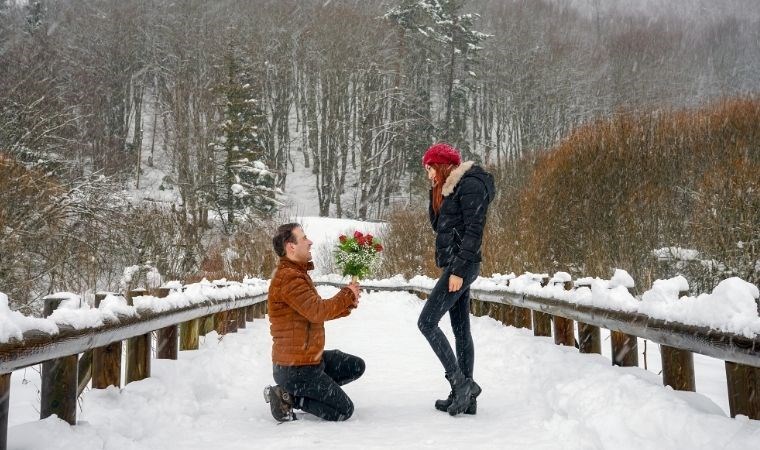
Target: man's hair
(284, 235)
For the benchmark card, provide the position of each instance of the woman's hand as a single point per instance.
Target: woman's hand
(455, 283)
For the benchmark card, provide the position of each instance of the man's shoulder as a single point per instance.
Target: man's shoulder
(286, 274)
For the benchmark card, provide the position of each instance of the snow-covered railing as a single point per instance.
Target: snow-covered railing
(724, 325)
(178, 314)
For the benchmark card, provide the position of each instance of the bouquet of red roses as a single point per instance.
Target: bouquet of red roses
(358, 255)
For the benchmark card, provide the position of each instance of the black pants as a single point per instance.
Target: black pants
(457, 304)
(316, 388)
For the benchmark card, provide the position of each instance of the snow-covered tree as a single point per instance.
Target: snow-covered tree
(245, 186)
(452, 46)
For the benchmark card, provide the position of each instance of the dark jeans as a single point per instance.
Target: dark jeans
(458, 306)
(316, 388)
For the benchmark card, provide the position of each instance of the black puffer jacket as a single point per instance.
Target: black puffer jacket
(460, 222)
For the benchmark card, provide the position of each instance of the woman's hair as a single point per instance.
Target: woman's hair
(442, 172)
(284, 235)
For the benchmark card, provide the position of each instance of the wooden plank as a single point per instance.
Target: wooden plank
(189, 332)
(106, 360)
(589, 338)
(564, 331)
(523, 318)
(138, 350)
(58, 389)
(207, 324)
(625, 349)
(58, 384)
(542, 324)
(743, 390)
(106, 366)
(166, 337)
(678, 368)
(678, 365)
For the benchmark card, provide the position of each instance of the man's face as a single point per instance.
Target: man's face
(300, 251)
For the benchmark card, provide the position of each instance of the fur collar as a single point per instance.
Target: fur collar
(455, 176)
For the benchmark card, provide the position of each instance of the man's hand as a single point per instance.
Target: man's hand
(455, 283)
(355, 289)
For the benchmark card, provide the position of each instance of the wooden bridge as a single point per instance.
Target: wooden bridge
(74, 358)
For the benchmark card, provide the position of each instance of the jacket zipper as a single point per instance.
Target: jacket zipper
(308, 335)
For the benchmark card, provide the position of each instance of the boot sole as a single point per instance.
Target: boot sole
(472, 409)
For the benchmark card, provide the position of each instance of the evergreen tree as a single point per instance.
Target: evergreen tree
(35, 14)
(451, 42)
(245, 186)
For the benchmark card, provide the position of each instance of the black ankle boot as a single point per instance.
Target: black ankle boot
(443, 405)
(464, 390)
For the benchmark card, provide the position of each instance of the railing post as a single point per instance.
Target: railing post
(474, 307)
(5, 396)
(240, 317)
(743, 390)
(564, 329)
(138, 350)
(508, 316)
(523, 317)
(542, 322)
(206, 325)
(106, 361)
(220, 323)
(58, 390)
(261, 309)
(232, 321)
(625, 349)
(166, 338)
(678, 366)
(589, 336)
(249, 313)
(189, 332)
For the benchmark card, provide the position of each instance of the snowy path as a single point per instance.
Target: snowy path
(535, 395)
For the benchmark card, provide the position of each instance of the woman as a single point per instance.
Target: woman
(459, 200)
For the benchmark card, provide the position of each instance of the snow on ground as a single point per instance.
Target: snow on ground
(535, 395)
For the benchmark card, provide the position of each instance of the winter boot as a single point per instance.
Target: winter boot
(443, 405)
(464, 389)
(280, 403)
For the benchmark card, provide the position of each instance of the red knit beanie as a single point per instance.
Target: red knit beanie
(441, 153)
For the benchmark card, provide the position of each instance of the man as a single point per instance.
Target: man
(308, 376)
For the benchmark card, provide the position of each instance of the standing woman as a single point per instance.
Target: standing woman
(459, 198)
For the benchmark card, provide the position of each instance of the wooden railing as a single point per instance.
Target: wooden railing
(64, 373)
(551, 316)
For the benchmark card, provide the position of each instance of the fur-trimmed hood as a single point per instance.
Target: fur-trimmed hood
(468, 168)
(455, 176)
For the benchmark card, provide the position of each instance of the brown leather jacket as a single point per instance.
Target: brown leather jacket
(297, 314)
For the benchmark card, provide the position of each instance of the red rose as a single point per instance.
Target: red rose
(342, 238)
(369, 237)
(358, 234)
(360, 240)
(378, 248)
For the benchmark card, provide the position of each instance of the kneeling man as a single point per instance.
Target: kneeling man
(308, 377)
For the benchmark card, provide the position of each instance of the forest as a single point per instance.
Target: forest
(231, 98)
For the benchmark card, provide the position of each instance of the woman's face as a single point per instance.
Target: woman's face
(430, 174)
